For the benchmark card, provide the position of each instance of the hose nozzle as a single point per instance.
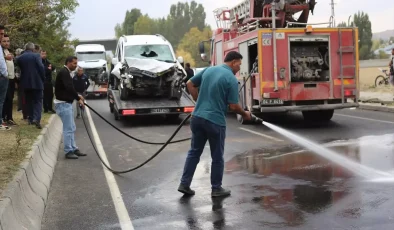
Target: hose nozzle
(256, 119)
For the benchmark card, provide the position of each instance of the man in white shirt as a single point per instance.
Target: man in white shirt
(8, 103)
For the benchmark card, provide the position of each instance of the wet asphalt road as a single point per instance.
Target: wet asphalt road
(272, 187)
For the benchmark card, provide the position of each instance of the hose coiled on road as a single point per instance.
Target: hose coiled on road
(131, 137)
(145, 162)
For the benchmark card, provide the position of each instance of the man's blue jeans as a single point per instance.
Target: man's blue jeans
(66, 113)
(203, 130)
(3, 94)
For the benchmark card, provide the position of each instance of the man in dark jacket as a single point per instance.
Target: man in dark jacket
(48, 86)
(65, 94)
(32, 81)
(81, 84)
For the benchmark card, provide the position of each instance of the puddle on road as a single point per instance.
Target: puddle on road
(299, 183)
(374, 152)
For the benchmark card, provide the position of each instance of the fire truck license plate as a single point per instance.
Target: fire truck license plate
(271, 102)
(160, 110)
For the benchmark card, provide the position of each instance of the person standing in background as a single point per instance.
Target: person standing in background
(37, 48)
(9, 99)
(48, 86)
(3, 81)
(81, 84)
(32, 81)
(65, 95)
(21, 94)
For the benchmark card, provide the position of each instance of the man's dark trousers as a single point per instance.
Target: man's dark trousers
(34, 104)
(48, 96)
(203, 130)
(7, 107)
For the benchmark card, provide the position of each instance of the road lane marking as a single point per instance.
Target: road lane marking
(120, 207)
(367, 119)
(260, 134)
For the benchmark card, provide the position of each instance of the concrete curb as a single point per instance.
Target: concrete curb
(23, 202)
(382, 108)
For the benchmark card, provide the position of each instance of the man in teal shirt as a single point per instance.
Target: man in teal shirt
(215, 89)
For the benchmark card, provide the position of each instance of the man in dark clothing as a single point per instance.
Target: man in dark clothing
(190, 74)
(48, 86)
(189, 71)
(65, 95)
(81, 84)
(32, 81)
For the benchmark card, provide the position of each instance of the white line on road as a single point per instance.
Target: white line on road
(120, 207)
(260, 134)
(363, 118)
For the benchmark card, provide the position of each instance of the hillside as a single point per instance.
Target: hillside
(385, 35)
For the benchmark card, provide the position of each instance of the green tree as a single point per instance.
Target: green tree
(376, 44)
(342, 24)
(127, 27)
(144, 25)
(189, 43)
(43, 22)
(183, 17)
(187, 57)
(382, 55)
(361, 20)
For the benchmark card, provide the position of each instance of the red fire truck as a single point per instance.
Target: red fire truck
(288, 64)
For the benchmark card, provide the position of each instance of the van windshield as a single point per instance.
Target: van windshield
(91, 56)
(157, 52)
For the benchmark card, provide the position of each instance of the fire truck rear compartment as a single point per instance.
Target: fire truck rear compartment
(309, 60)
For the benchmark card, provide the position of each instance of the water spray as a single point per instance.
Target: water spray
(355, 167)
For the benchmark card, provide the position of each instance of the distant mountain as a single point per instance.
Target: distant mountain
(385, 35)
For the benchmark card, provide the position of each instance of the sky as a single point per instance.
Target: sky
(97, 21)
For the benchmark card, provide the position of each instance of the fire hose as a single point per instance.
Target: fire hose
(164, 144)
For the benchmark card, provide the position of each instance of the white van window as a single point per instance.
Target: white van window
(158, 52)
(91, 56)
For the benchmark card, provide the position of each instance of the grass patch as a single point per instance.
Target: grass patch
(15, 144)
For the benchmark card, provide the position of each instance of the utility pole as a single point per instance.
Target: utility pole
(333, 13)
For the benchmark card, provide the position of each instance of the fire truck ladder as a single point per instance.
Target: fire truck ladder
(342, 50)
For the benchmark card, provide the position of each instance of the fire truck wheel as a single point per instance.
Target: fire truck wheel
(318, 115)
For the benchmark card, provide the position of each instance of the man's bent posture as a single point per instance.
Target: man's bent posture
(218, 88)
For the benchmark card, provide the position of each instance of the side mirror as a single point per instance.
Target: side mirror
(180, 59)
(201, 47)
(204, 57)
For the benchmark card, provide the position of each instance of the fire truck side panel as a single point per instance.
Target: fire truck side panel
(305, 71)
(244, 45)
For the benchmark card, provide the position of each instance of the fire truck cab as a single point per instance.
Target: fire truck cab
(288, 65)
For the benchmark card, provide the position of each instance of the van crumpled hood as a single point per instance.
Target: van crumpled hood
(92, 64)
(150, 65)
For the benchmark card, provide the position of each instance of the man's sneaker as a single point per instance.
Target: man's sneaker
(71, 155)
(78, 153)
(78, 116)
(4, 127)
(186, 190)
(220, 192)
(11, 123)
